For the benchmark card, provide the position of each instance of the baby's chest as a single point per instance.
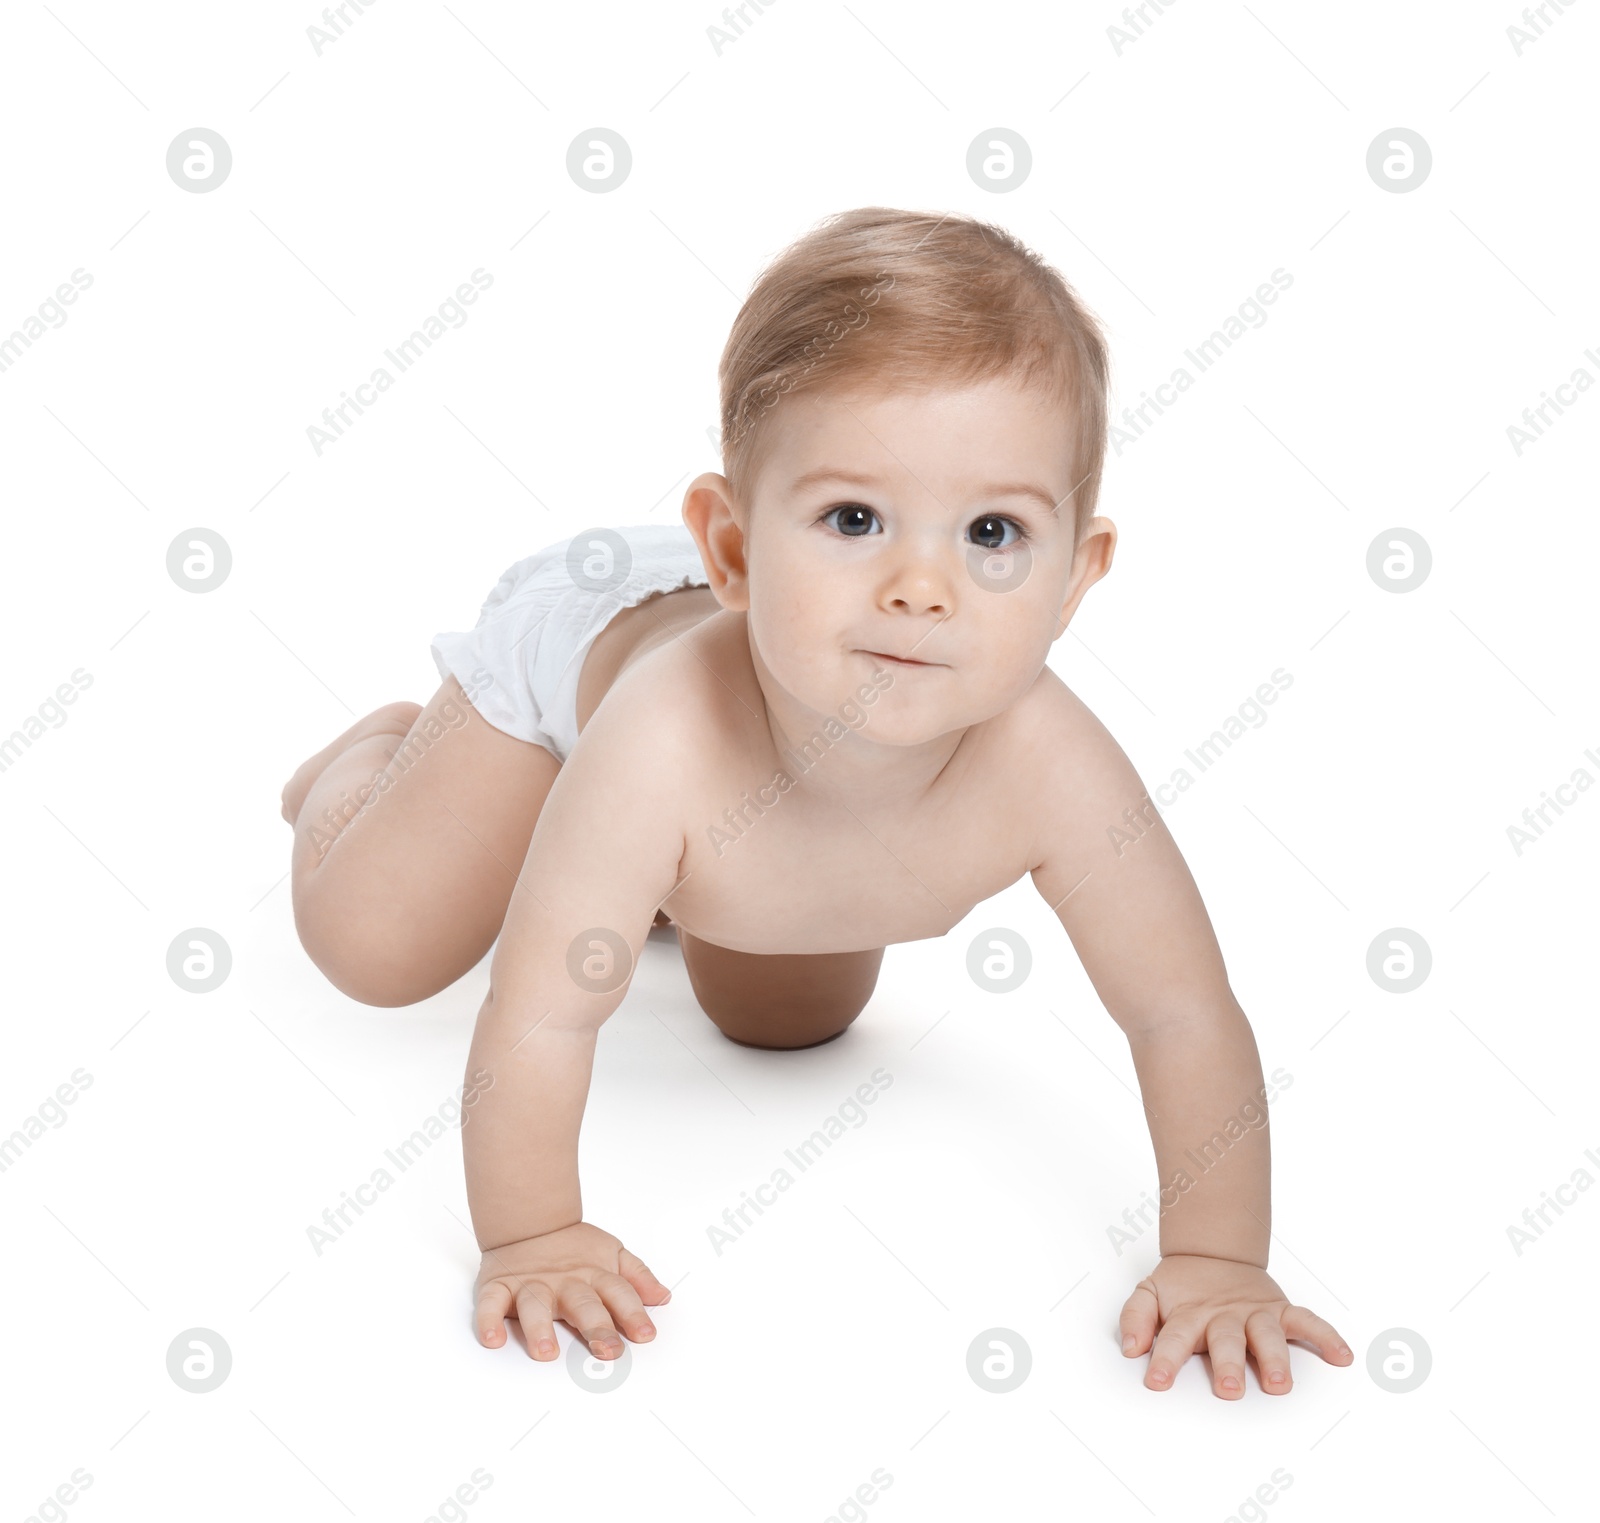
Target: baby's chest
(770, 874)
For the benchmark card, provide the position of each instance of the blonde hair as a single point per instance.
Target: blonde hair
(883, 300)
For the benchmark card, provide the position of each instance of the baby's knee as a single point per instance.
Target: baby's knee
(355, 945)
(758, 1030)
(365, 969)
(780, 1002)
(380, 984)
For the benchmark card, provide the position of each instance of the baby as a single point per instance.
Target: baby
(814, 721)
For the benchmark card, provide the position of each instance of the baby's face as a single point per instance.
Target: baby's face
(903, 526)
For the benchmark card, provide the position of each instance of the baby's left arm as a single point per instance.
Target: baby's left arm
(1107, 865)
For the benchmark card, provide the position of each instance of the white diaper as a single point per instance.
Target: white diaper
(519, 665)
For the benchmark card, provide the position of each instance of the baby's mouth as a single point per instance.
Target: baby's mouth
(878, 655)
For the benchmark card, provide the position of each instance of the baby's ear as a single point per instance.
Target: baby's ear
(1090, 562)
(711, 515)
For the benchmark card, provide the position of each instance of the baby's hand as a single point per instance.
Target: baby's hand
(1219, 1305)
(581, 1274)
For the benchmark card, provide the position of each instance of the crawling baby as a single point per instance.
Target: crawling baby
(813, 720)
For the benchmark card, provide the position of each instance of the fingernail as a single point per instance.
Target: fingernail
(1276, 1377)
(1128, 1344)
(1229, 1383)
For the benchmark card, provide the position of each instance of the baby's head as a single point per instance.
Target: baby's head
(913, 429)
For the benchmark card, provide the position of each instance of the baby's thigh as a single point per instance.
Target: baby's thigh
(779, 1000)
(403, 873)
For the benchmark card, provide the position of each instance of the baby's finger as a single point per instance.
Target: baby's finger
(1225, 1344)
(637, 1273)
(623, 1302)
(1177, 1340)
(1138, 1321)
(587, 1312)
(494, 1301)
(1271, 1349)
(533, 1312)
(1308, 1327)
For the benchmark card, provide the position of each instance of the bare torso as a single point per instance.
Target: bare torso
(803, 874)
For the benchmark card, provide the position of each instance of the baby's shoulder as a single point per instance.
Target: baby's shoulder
(676, 704)
(1071, 768)
(1050, 730)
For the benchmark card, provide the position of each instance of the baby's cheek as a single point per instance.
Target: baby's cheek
(1005, 636)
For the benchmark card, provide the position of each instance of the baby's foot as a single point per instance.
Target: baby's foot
(391, 719)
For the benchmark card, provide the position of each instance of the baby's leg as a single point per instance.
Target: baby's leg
(393, 719)
(779, 999)
(408, 845)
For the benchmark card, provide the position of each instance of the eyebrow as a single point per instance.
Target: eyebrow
(992, 489)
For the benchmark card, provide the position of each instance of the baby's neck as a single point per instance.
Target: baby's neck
(833, 758)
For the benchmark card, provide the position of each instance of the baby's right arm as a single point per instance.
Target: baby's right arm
(604, 855)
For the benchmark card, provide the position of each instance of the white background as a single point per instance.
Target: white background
(830, 1341)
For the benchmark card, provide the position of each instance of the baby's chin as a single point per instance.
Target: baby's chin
(898, 717)
(919, 723)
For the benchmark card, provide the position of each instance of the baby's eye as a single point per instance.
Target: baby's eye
(853, 519)
(989, 532)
